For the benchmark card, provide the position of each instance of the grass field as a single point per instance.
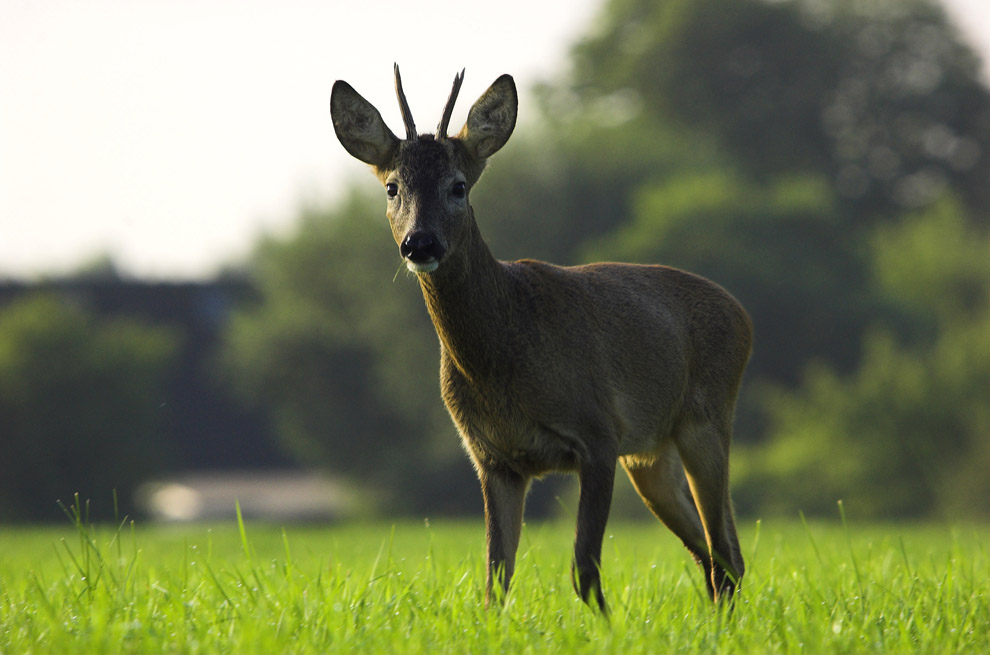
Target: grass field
(416, 587)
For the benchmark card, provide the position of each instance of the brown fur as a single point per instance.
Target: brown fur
(547, 368)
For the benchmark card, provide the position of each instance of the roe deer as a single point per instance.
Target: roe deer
(548, 368)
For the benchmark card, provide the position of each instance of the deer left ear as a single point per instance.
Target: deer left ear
(359, 126)
(492, 119)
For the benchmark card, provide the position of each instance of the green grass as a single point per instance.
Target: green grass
(416, 587)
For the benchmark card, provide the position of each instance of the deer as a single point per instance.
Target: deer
(547, 368)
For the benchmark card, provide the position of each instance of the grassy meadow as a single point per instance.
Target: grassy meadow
(416, 587)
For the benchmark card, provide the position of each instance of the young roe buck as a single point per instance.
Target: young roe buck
(548, 368)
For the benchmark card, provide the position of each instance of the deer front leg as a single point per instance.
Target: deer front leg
(504, 492)
(596, 480)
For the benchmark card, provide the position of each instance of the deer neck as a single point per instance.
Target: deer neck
(469, 302)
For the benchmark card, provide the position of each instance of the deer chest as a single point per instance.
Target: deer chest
(498, 432)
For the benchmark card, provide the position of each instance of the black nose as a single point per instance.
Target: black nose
(421, 248)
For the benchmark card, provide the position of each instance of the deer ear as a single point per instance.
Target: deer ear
(359, 126)
(492, 119)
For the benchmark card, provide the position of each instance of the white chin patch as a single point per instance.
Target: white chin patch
(425, 267)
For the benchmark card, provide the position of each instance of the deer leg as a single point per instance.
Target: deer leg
(504, 493)
(595, 501)
(704, 451)
(663, 487)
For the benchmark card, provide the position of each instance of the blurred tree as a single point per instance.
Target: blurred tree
(79, 405)
(99, 268)
(881, 97)
(905, 434)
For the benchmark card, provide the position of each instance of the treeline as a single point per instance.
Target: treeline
(106, 382)
(825, 162)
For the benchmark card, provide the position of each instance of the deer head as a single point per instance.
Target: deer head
(427, 177)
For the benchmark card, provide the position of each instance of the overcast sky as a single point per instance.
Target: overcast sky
(171, 133)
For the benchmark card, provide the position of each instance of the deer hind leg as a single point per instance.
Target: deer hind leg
(704, 451)
(663, 487)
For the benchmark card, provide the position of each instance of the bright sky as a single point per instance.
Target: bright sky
(170, 134)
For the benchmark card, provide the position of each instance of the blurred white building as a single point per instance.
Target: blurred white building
(262, 495)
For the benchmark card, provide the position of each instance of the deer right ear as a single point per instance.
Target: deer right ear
(359, 126)
(492, 119)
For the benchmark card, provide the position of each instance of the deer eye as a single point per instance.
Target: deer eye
(392, 189)
(459, 190)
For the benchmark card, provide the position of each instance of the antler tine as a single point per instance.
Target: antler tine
(449, 108)
(407, 118)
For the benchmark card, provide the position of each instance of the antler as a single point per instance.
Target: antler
(449, 108)
(407, 118)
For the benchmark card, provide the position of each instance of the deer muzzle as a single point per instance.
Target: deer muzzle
(422, 252)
